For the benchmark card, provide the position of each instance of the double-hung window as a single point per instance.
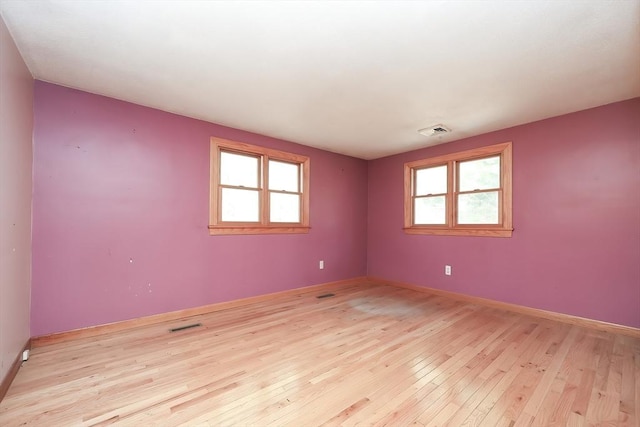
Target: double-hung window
(465, 193)
(256, 190)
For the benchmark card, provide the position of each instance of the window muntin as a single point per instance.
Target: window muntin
(430, 190)
(255, 190)
(479, 191)
(473, 199)
(284, 191)
(239, 187)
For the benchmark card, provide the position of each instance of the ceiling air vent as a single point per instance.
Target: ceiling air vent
(434, 130)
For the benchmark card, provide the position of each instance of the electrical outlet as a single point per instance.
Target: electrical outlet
(321, 265)
(447, 270)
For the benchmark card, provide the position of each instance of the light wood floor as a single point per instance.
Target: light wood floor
(370, 355)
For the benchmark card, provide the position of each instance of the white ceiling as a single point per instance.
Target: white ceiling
(358, 78)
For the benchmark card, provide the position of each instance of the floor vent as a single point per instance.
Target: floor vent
(182, 328)
(326, 296)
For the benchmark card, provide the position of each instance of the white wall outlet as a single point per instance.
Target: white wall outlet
(447, 270)
(321, 265)
(25, 355)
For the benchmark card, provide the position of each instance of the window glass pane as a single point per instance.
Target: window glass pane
(283, 176)
(478, 208)
(284, 207)
(481, 174)
(430, 210)
(239, 170)
(240, 205)
(431, 180)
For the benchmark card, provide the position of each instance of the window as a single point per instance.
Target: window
(460, 194)
(257, 190)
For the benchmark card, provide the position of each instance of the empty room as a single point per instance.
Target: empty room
(302, 213)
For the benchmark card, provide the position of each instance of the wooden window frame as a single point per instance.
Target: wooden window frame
(451, 228)
(264, 226)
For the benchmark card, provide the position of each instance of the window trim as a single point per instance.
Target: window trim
(504, 229)
(219, 227)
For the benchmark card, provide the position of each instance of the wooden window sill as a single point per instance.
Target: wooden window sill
(222, 230)
(487, 232)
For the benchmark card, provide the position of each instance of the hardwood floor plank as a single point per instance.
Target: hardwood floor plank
(370, 355)
(511, 402)
(628, 415)
(549, 376)
(412, 391)
(454, 385)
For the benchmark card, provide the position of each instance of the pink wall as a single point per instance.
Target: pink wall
(121, 200)
(576, 244)
(16, 159)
